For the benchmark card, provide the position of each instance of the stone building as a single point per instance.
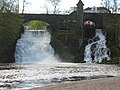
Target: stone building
(96, 10)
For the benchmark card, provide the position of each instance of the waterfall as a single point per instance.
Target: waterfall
(34, 47)
(96, 50)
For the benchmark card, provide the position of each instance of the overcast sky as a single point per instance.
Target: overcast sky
(37, 6)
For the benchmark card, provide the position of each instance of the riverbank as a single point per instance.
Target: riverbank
(112, 83)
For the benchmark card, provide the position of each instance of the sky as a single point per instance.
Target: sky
(38, 6)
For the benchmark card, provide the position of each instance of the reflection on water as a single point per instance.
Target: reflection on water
(26, 76)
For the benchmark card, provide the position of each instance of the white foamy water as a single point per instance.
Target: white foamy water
(96, 50)
(34, 47)
(26, 76)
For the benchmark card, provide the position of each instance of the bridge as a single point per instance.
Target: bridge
(72, 21)
(62, 21)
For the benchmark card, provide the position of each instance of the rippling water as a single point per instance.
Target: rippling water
(26, 76)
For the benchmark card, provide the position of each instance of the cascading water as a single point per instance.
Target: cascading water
(96, 50)
(34, 47)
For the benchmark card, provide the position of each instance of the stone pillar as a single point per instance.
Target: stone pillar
(79, 55)
(80, 14)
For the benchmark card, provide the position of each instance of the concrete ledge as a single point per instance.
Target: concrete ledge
(112, 83)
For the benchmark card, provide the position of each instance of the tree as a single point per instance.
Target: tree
(46, 7)
(24, 4)
(10, 24)
(111, 5)
(115, 6)
(12, 5)
(55, 4)
(106, 3)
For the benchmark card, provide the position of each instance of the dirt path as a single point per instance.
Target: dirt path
(112, 83)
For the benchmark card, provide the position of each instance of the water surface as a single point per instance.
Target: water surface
(26, 76)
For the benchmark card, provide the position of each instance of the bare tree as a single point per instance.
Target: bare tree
(24, 4)
(55, 4)
(111, 5)
(23, 7)
(46, 7)
(115, 6)
(12, 5)
(106, 3)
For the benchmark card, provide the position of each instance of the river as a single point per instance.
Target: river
(27, 76)
(36, 66)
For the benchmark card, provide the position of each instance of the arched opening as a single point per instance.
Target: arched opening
(89, 29)
(34, 46)
(36, 25)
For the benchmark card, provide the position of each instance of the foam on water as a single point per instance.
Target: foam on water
(34, 47)
(96, 50)
(26, 76)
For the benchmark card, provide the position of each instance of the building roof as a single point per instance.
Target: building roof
(98, 8)
(80, 2)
